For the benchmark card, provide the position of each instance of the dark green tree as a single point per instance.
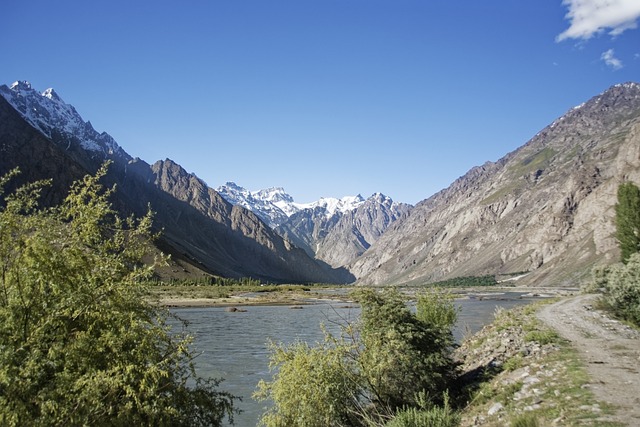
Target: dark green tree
(79, 342)
(628, 220)
(402, 354)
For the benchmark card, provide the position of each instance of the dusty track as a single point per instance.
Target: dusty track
(610, 350)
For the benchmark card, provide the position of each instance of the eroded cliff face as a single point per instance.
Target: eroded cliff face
(339, 238)
(230, 238)
(358, 229)
(47, 139)
(546, 208)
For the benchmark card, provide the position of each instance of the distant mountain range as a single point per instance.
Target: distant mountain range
(47, 138)
(544, 212)
(332, 230)
(274, 206)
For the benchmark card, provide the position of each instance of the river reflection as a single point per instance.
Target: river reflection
(233, 345)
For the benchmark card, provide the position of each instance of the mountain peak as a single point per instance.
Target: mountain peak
(20, 85)
(333, 205)
(274, 205)
(50, 115)
(379, 197)
(267, 204)
(546, 208)
(232, 186)
(275, 195)
(52, 95)
(628, 85)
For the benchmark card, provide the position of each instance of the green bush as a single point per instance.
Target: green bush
(542, 337)
(598, 282)
(434, 416)
(402, 354)
(622, 289)
(525, 420)
(628, 220)
(313, 387)
(78, 343)
(379, 365)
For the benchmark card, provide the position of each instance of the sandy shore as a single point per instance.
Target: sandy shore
(303, 298)
(271, 298)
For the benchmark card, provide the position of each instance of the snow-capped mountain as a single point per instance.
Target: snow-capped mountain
(46, 138)
(278, 197)
(339, 238)
(274, 206)
(333, 206)
(333, 230)
(49, 114)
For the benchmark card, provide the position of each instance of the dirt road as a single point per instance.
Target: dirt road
(610, 350)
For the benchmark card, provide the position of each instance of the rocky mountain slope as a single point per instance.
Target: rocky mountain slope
(339, 237)
(47, 138)
(333, 230)
(546, 209)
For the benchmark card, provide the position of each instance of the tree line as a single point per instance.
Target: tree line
(80, 344)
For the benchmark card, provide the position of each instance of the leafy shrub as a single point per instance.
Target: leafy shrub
(78, 343)
(598, 282)
(546, 336)
(403, 354)
(622, 289)
(313, 386)
(435, 416)
(382, 363)
(628, 220)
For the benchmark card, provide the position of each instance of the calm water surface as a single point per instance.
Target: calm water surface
(233, 346)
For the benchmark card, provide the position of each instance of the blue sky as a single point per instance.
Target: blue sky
(322, 97)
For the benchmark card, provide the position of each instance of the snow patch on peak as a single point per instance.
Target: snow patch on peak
(20, 85)
(49, 114)
(333, 205)
(274, 205)
(273, 195)
(628, 85)
(380, 198)
(383, 200)
(232, 186)
(51, 94)
(260, 203)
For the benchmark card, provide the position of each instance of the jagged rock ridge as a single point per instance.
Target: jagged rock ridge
(340, 237)
(47, 138)
(274, 206)
(547, 208)
(333, 230)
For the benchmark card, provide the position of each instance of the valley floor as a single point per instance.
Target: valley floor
(609, 349)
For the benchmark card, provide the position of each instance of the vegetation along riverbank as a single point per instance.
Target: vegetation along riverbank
(83, 344)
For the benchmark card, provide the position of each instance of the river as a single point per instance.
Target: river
(233, 345)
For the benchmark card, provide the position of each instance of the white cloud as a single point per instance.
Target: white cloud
(589, 17)
(609, 58)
